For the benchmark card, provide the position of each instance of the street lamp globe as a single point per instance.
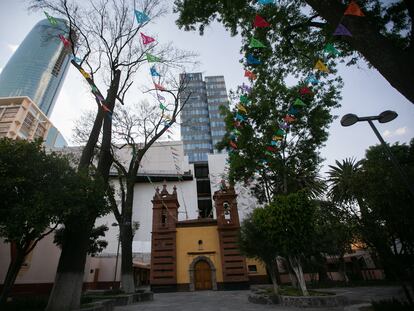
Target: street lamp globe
(349, 119)
(387, 116)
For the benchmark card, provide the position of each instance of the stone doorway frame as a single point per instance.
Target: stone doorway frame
(191, 271)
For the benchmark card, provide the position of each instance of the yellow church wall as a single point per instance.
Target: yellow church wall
(188, 249)
(260, 266)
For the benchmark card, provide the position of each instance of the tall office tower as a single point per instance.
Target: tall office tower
(38, 67)
(202, 127)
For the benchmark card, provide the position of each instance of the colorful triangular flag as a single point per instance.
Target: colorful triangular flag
(354, 10)
(341, 30)
(280, 132)
(289, 119)
(160, 97)
(51, 19)
(330, 49)
(65, 41)
(241, 108)
(76, 59)
(240, 117)
(251, 60)
(233, 144)
(272, 149)
(152, 58)
(146, 39)
(154, 72)
(244, 99)
(162, 107)
(321, 66)
(250, 75)
(254, 43)
(84, 73)
(305, 91)
(299, 103)
(159, 87)
(260, 22)
(141, 17)
(312, 79)
(264, 2)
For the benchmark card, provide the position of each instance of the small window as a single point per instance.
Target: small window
(252, 268)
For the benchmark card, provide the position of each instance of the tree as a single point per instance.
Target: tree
(282, 228)
(38, 190)
(136, 129)
(387, 27)
(103, 37)
(382, 207)
(334, 235)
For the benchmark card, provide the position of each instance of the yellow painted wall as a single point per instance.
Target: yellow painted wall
(187, 241)
(261, 268)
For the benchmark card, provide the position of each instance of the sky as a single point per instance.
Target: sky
(365, 92)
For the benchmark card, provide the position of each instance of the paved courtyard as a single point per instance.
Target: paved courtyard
(237, 300)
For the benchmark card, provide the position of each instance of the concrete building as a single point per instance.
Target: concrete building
(20, 118)
(38, 67)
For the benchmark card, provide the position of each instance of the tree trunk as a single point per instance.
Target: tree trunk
(272, 271)
(13, 270)
(67, 288)
(297, 268)
(292, 276)
(396, 65)
(127, 270)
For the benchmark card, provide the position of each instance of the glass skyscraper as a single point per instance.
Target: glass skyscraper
(38, 67)
(202, 124)
(202, 127)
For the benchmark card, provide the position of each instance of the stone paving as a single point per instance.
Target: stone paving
(237, 300)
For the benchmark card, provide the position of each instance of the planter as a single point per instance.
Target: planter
(314, 301)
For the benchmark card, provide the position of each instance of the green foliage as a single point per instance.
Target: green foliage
(282, 228)
(385, 215)
(335, 230)
(34, 191)
(296, 28)
(96, 245)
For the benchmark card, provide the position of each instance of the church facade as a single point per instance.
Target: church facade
(199, 254)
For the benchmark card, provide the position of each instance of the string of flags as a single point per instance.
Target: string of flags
(305, 92)
(141, 18)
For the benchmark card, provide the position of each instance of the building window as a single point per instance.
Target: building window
(252, 268)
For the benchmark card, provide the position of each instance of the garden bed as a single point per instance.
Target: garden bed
(290, 296)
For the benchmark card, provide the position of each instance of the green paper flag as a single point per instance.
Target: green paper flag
(244, 99)
(162, 107)
(330, 49)
(254, 43)
(152, 58)
(280, 132)
(299, 103)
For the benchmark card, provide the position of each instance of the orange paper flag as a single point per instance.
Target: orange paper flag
(321, 66)
(354, 9)
(250, 75)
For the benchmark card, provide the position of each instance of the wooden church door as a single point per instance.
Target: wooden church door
(202, 276)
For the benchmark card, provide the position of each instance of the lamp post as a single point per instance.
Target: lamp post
(384, 117)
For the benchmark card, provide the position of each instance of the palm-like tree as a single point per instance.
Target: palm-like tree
(344, 181)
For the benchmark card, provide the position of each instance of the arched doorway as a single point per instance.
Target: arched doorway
(202, 276)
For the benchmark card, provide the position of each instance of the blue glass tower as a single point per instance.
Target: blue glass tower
(38, 67)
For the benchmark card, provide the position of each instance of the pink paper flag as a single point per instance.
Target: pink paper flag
(159, 87)
(146, 39)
